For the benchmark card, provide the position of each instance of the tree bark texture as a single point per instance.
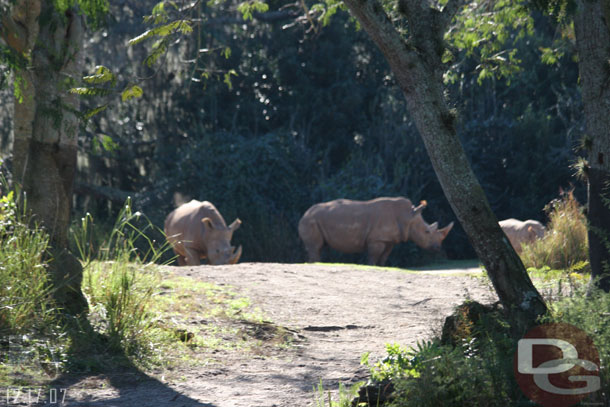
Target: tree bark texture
(46, 128)
(417, 66)
(592, 29)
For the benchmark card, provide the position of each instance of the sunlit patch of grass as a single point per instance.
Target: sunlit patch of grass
(565, 243)
(33, 339)
(212, 316)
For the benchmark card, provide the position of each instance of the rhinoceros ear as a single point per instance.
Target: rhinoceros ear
(445, 231)
(207, 222)
(235, 225)
(421, 207)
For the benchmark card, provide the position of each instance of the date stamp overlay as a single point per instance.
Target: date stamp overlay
(28, 365)
(557, 365)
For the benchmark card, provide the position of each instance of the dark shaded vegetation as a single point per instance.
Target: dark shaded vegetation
(309, 117)
(475, 351)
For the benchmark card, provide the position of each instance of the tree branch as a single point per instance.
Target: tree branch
(19, 27)
(377, 24)
(449, 11)
(14, 34)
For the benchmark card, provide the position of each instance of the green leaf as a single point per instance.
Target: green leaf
(131, 92)
(141, 37)
(90, 113)
(227, 78)
(90, 91)
(180, 26)
(108, 143)
(102, 75)
(248, 8)
(158, 49)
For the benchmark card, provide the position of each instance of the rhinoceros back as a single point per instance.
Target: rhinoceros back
(346, 225)
(184, 223)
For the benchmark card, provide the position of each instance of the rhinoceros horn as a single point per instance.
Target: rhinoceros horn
(236, 255)
(446, 229)
(434, 227)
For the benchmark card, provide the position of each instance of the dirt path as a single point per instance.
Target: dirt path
(337, 312)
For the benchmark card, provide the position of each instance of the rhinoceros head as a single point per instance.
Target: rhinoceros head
(217, 239)
(426, 236)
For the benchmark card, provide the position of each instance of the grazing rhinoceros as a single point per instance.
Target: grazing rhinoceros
(519, 232)
(375, 226)
(196, 230)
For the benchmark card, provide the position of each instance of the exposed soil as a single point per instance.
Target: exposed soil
(332, 315)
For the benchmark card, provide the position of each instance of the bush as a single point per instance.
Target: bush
(32, 338)
(565, 244)
(478, 356)
(589, 313)
(119, 282)
(475, 368)
(25, 293)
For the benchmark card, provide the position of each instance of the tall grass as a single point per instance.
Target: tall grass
(26, 304)
(32, 336)
(120, 279)
(565, 244)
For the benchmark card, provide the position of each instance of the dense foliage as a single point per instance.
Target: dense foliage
(267, 117)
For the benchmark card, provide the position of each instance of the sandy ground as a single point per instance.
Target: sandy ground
(336, 313)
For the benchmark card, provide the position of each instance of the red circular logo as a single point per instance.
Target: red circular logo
(557, 365)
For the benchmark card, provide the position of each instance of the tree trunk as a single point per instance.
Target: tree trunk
(592, 29)
(417, 66)
(46, 129)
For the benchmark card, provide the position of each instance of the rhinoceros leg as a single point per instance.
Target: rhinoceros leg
(313, 254)
(181, 260)
(385, 254)
(193, 258)
(375, 252)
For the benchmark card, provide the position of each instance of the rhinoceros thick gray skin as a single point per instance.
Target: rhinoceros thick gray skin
(519, 232)
(375, 226)
(196, 230)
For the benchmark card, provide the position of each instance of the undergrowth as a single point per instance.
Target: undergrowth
(475, 367)
(32, 338)
(565, 243)
(120, 280)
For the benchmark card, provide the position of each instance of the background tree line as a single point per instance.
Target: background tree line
(312, 114)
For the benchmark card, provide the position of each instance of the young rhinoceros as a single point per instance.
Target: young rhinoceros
(375, 226)
(196, 230)
(520, 232)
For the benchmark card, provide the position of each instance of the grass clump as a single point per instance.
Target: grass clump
(565, 243)
(25, 294)
(32, 338)
(591, 313)
(120, 280)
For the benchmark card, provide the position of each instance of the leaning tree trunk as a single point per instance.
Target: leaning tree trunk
(46, 129)
(417, 66)
(592, 29)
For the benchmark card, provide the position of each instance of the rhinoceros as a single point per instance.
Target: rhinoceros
(196, 230)
(375, 226)
(519, 232)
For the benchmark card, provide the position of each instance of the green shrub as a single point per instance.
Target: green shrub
(565, 244)
(589, 313)
(32, 338)
(119, 282)
(25, 293)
